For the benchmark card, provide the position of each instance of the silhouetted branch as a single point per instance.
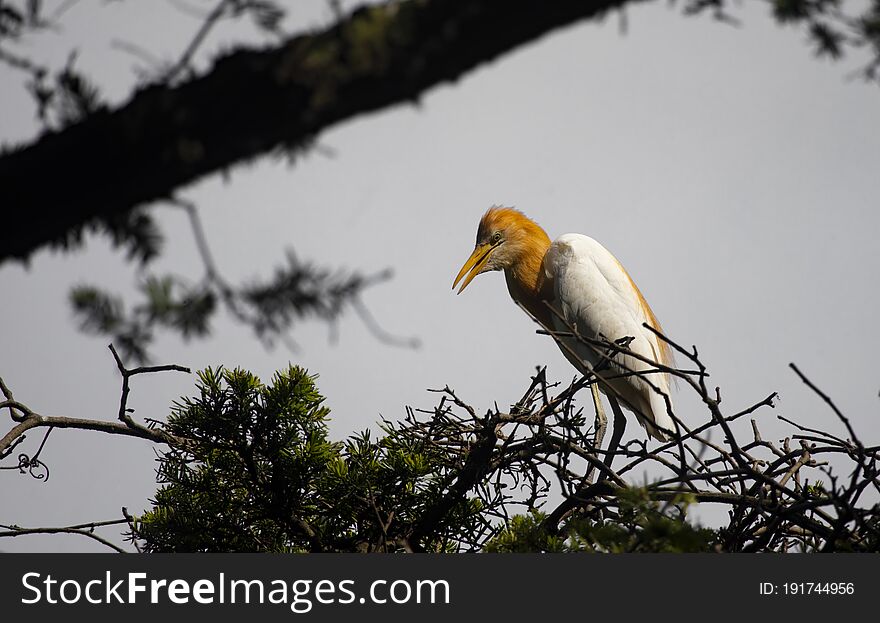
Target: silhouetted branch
(183, 64)
(25, 418)
(299, 290)
(85, 529)
(772, 506)
(458, 479)
(252, 102)
(830, 403)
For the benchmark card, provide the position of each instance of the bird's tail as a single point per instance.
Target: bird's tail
(649, 406)
(659, 424)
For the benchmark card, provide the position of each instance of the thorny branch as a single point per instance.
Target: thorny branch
(538, 456)
(780, 498)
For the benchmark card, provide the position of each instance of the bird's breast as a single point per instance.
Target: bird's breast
(533, 298)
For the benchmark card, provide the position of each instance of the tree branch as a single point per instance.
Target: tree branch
(87, 530)
(254, 101)
(26, 418)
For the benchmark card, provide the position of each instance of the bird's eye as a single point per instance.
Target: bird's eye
(496, 237)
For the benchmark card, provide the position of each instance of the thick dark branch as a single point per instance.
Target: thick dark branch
(254, 101)
(210, 21)
(474, 469)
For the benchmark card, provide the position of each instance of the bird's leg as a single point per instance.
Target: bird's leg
(601, 418)
(619, 427)
(600, 426)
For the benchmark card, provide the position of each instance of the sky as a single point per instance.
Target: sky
(731, 172)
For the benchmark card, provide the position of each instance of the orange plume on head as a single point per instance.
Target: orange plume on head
(507, 240)
(509, 220)
(510, 241)
(525, 244)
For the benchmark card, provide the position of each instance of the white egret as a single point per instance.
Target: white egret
(575, 286)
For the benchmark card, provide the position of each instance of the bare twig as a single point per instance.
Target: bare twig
(85, 529)
(185, 61)
(126, 425)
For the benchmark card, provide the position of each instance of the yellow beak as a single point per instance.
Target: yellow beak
(474, 264)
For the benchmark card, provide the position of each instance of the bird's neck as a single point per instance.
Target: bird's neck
(526, 280)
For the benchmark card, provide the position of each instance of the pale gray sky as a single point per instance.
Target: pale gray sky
(733, 174)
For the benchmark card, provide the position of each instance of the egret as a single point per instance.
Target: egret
(574, 287)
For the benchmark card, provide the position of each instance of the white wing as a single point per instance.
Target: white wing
(595, 295)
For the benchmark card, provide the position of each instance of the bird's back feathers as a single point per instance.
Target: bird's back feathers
(597, 297)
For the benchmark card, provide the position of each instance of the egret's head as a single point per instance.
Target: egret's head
(504, 238)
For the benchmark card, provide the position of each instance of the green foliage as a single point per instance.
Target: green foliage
(247, 477)
(525, 533)
(298, 290)
(258, 473)
(252, 468)
(135, 232)
(167, 302)
(103, 313)
(640, 525)
(381, 489)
